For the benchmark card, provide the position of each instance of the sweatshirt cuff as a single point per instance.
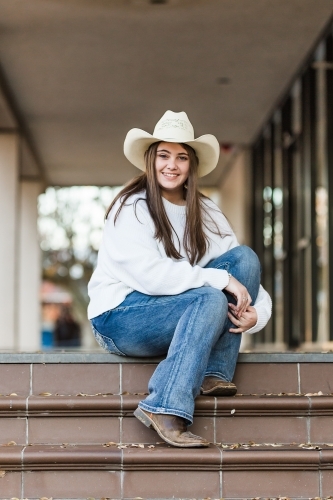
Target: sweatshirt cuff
(216, 278)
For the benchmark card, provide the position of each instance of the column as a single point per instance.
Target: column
(235, 197)
(9, 173)
(29, 268)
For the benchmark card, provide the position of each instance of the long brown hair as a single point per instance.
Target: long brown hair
(196, 242)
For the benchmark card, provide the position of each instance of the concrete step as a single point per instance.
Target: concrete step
(67, 431)
(73, 373)
(66, 472)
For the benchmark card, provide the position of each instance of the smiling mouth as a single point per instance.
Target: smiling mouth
(170, 175)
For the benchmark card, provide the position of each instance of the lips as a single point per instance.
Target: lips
(170, 176)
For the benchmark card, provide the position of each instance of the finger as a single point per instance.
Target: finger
(243, 304)
(237, 297)
(246, 302)
(239, 327)
(233, 319)
(246, 316)
(236, 330)
(232, 307)
(241, 298)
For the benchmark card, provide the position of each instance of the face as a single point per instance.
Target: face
(172, 168)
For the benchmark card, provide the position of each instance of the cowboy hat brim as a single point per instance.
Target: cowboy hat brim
(137, 142)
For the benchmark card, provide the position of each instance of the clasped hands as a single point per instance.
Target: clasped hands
(242, 315)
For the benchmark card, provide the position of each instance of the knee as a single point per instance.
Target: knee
(214, 299)
(248, 256)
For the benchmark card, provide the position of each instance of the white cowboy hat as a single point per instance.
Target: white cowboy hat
(173, 127)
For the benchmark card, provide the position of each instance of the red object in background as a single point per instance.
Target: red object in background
(226, 147)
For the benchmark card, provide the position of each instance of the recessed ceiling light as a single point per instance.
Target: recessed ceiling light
(223, 80)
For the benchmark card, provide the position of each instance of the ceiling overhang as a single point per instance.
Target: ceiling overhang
(83, 72)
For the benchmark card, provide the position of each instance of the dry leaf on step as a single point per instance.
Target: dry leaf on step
(110, 443)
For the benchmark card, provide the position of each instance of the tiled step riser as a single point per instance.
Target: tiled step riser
(251, 378)
(169, 484)
(100, 419)
(67, 472)
(185, 484)
(99, 430)
(242, 430)
(165, 474)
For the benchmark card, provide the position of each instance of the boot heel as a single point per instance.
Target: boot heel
(140, 415)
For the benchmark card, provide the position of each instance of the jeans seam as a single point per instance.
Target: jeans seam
(168, 388)
(161, 410)
(139, 305)
(225, 266)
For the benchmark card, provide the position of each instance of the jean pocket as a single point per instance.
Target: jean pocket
(106, 343)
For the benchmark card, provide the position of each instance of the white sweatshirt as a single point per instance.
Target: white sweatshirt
(130, 258)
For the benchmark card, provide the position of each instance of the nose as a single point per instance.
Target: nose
(172, 163)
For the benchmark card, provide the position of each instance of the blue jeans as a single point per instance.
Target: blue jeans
(191, 329)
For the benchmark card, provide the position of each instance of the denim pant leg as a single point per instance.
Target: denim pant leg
(185, 326)
(244, 265)
(177, 379)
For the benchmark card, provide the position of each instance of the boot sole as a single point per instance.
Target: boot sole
(148, 422)
(220, 391)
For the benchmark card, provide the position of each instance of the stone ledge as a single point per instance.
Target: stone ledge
(161, 457)
(103, 357)
(124, 405)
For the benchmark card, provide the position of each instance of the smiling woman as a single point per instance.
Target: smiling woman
(172, 280)
(172, 168)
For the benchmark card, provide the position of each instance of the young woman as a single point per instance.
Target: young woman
(172, 280)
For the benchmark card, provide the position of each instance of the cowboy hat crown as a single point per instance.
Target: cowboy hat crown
(173, 127)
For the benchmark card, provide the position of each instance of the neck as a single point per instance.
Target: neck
(176, 198)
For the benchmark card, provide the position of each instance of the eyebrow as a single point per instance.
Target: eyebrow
(166, 151)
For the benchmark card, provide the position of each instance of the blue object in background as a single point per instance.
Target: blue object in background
(47, 339)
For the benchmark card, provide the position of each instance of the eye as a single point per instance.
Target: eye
(162, 155)
(183, 158)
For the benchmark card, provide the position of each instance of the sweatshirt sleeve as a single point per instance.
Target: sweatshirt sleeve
(135, 259)
(263, 306)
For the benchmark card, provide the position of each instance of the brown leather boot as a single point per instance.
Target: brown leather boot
(213, 386)
(171, 429)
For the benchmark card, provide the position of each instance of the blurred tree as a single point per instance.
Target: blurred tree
(70, 225)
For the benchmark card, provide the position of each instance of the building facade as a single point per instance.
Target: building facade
(292, 160)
